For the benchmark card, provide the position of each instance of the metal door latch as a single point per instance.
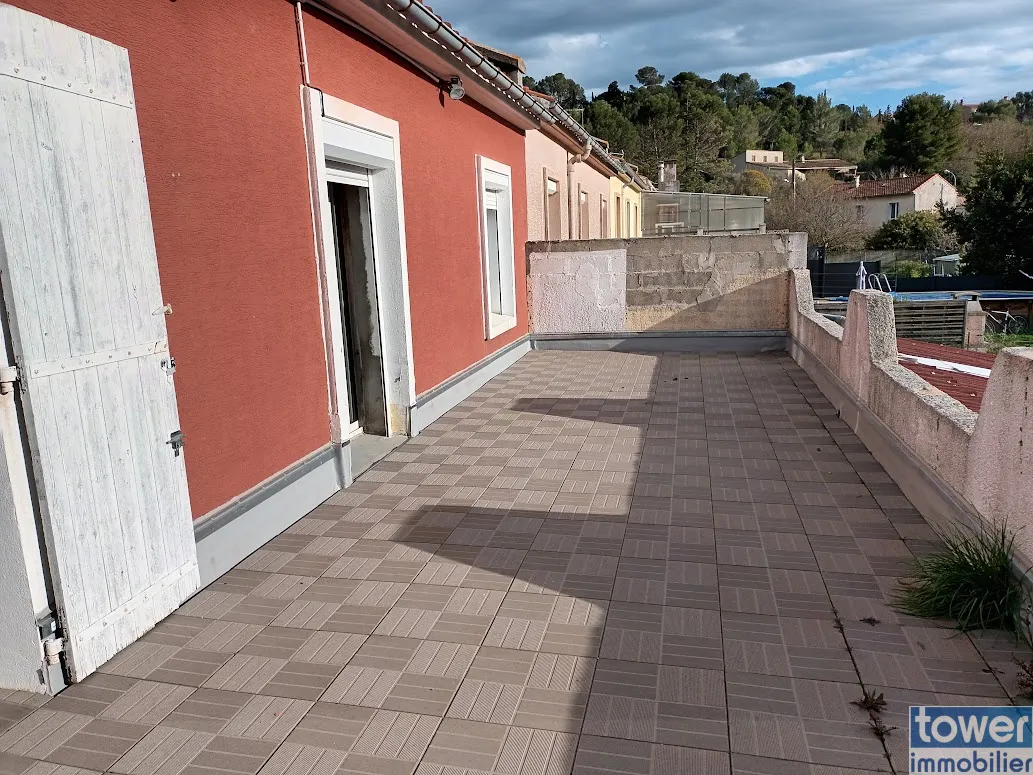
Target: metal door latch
(169, 365)
(176, 441)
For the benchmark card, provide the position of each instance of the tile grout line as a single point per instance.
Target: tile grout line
(842, 630)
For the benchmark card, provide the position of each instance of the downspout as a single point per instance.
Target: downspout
(427, 22)
(571, 161)
(299, 23)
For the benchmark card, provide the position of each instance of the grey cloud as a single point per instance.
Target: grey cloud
(715, 36)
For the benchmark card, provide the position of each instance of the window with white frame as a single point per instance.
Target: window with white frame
(894, 210)
(496, 225)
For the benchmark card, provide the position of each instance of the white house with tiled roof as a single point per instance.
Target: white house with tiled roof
(880, 201)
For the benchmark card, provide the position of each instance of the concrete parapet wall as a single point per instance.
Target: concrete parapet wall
(955, 466)
(673, 283)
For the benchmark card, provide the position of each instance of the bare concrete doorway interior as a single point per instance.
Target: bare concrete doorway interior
(355, 254)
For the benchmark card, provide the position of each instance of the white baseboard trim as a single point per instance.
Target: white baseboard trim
(434, 403)
(229, 534)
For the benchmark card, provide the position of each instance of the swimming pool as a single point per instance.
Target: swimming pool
(950, 296)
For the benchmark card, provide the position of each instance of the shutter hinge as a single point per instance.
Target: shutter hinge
(176, 441)
(8, 376)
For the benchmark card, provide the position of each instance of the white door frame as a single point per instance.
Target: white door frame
(340, 131)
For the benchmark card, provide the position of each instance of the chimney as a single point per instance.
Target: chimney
(669, 176)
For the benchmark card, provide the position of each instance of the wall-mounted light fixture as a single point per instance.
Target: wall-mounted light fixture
(456, 90)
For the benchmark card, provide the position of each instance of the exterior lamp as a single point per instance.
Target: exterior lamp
(456, 90)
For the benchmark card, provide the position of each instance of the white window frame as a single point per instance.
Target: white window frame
(497, 177)
(894, 210)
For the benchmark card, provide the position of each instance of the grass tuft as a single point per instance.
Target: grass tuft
(970, 580)
(871, 701)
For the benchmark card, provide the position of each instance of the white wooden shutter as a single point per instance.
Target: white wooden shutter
(80, 288)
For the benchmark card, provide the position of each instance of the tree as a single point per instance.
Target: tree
(787, 143)
(614, 95)
(820, 210)
(909, 267)
(737, 90)
(754, 183)
(995, 110)
(614, 127)
(649, 76)
(705, 133)
(822, 125)
(995, 228)
(686, 80)
(660, 125)
(567, 92)
(920, 230)
(922, 134)
(1008, 137)
(1023, 105)
(744, 131)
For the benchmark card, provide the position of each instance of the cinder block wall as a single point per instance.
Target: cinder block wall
(672, 283)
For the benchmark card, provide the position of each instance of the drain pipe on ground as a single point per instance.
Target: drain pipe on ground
(571, 161)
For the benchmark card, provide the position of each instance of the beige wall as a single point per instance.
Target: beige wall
(877, 208)
(675, 283)
(925, 197)
(626, 194)
(756, 156)
(545, 156)
(931, 192)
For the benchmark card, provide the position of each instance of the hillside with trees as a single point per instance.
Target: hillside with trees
(704, 124)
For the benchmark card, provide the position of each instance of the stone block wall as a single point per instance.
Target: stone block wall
(671, 283)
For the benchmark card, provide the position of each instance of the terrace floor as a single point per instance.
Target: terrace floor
(601, 562)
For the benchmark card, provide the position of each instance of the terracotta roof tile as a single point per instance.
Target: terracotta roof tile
(965, 388)
(943, 352)
(890, 187)
(968, 389)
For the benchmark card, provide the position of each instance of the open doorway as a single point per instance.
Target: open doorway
(352, 225)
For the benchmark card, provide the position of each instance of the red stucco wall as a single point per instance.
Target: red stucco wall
(217, 92)
(217, 87)
(439, 144)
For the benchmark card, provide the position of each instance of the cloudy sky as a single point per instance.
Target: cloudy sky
(862, 51)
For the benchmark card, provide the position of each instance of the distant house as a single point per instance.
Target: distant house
(879, 201)
(774, 165)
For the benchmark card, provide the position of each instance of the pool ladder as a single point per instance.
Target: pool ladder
(880, 282)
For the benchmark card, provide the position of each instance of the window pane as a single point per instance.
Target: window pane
(494, 270)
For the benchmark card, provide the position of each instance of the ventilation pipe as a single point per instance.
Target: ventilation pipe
(429, 23)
